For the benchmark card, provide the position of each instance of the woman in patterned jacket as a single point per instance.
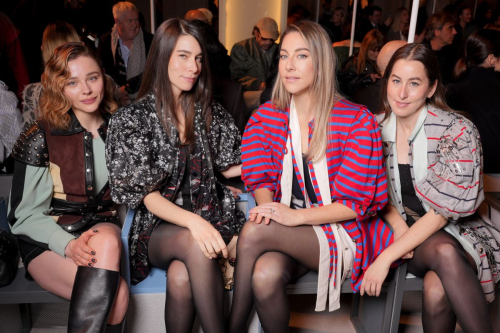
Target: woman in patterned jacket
(314, 164)
(434, 162)
(162, 152)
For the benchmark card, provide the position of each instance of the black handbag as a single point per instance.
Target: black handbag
(9, 256)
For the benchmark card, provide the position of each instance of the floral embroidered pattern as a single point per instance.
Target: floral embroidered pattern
(142, 158)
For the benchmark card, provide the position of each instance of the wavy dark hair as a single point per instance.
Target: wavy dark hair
(156, 80)
(54, 105)
(425, 55)
(479, 46)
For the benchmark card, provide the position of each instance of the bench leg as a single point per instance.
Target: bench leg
(24, 309)
(399, 277)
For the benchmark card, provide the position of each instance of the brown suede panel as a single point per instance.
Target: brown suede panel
(67, 152)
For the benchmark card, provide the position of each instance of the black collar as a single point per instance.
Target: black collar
(75, 126)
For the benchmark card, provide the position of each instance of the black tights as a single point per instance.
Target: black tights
(268, 258)
(194, 283)
(451, 289)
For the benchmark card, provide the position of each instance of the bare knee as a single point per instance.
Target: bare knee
(178, 282)
(107, 245)
(267, 280)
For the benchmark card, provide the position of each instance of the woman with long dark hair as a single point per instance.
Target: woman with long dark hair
(60, 205)
(477, 91)
(313, 162)
(434, 163)
(162, 152)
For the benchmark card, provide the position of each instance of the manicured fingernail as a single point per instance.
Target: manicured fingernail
(93, 260)
(89, 264)
(93, 253)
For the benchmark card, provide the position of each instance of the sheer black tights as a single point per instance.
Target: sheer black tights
(194, 283)
(268, 258)
(451, 289)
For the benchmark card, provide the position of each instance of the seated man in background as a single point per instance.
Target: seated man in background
(251, 60)
(124, 50)
(440, 33)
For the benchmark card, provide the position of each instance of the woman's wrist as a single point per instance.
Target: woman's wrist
(68, 250)
(195, 221)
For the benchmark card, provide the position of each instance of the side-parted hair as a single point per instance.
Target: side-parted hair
(323, 90)
(373, 40)
(155, 78)
(55, 35)
(425, 55)
(122, 7)
(396, 18)
(54, 105)
(436, 22)
(478, 47)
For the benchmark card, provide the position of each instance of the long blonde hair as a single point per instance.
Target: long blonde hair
(396, 19)
(323, 90)
(55, 35)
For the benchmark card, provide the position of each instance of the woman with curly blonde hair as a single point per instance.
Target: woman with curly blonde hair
(60, 208)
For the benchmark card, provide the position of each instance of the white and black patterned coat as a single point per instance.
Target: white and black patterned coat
(142, 158)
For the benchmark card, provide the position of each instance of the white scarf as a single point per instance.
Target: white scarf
(137, 59)
(345, 245)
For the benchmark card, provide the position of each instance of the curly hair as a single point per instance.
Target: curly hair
(54, 104)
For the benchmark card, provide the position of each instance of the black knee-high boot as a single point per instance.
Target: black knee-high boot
(92, 298)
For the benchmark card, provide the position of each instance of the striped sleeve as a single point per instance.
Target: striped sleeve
(454, 182)
(260, 169)
(361, 182)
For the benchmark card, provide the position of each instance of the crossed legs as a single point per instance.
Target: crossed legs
(268, 258)
(194, 283)
(451, 289)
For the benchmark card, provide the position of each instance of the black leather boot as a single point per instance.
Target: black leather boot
(118, 328)
(92, 298)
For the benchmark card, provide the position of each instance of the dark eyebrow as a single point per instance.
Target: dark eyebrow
(412, 78)
(189, 52)
(93, 73)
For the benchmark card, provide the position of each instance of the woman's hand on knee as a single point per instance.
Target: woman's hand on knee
(277, 212)
(374, 278)
(80, 252)
(208, 238)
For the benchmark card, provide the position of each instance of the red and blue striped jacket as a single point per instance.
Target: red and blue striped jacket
(355, 168)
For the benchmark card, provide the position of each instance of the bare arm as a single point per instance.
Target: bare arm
(425, 227)
(285, 215)
(208, 238)
(398, 224)
(232, 171)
